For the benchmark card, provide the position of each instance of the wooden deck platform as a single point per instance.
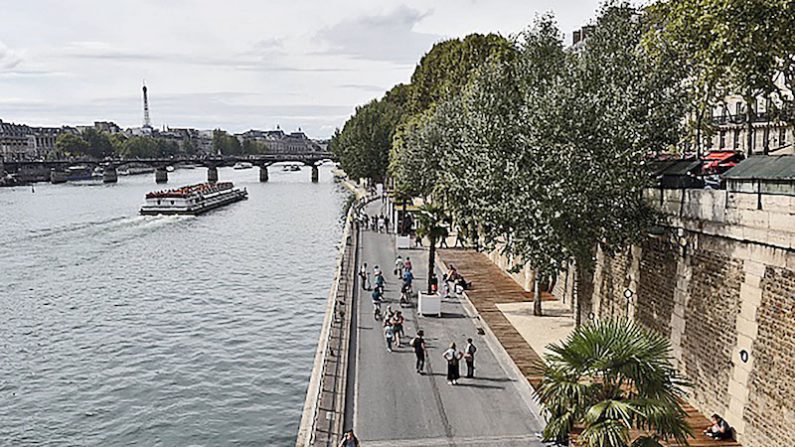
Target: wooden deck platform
(492, 286)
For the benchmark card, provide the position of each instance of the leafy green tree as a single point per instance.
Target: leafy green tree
(431, 225)
(610, 377)
(226, 144)
(70, 144)
(736, 46)
(598, 123)
(99, 145)
(189, 147)
(252, 147)
(165, 147)
(449, 65)
(363, 145)
(140, 147)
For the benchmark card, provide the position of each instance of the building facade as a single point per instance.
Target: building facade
(22, 142)
(279, 142)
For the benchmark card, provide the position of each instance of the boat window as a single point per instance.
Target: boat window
(158, 202)
(172, 202)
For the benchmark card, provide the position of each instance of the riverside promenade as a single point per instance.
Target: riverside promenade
(389, 404)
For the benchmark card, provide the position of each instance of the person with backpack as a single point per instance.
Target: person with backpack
(418, 343)
(469, 358)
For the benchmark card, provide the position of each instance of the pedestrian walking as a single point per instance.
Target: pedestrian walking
(397, 326)
(453, 357)
(349, 440)
(389, 335)
(379, 281)
(399, 266)
(407, 265)
(374, 223)
(367, 280)
(469, 358)
(381, 228)
(363, 276)
(418, 343)
(408, 277)
(386, 223)
(418, 241)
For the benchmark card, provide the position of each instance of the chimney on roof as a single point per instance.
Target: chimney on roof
(576, 37)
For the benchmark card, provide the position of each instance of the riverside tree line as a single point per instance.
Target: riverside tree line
(97, 144)
(540, 151)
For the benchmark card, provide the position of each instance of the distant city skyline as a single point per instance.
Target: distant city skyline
(251, 65)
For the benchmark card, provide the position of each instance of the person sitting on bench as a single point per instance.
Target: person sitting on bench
(720, 429)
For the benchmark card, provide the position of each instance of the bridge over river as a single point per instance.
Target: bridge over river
(57, 169)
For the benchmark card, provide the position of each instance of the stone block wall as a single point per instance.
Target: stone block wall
(770, 409)
(710, 332)
(657, 285)
(720, 282)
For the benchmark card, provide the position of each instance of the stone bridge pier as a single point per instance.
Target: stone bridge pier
(161, 175)
(263, 173)
(109, 175)
(315, 174)
(212, 174)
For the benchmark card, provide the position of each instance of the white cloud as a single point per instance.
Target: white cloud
(9, 59)
(248, 64)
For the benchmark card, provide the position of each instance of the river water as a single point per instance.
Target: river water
(118, 329)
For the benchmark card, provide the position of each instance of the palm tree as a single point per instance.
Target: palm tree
(613, 379)
(430, 224)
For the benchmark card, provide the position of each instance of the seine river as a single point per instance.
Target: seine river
(117, 329)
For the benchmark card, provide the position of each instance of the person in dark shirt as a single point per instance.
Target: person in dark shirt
(418, 343)
(720, 429)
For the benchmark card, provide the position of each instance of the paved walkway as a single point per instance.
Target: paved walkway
(500, 300)
(395, 406)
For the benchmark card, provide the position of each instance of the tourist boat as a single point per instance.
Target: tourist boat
(193, 199)
(291, 168)
(134, 169)
(242, 165)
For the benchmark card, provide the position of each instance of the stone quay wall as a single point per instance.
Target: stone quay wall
(720, 283)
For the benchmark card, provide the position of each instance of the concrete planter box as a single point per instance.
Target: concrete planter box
(429, 304)
(403, 242)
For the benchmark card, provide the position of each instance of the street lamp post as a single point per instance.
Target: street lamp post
(628, 295)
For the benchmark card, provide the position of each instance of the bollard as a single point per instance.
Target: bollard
(263, 173)
(315, 174)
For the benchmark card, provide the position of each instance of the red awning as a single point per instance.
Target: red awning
(720, 155)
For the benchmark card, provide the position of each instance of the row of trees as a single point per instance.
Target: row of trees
(96, 144)
(226, 144)
(541, 149)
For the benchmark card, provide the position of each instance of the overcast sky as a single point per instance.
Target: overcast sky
(234, 64)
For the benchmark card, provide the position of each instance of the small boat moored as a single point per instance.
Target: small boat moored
(242, 165)
(192, 200)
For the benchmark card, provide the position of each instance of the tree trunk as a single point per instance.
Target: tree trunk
(537, 296)
(749, 121)
(766, 143)
(699, 120)
(584, 284)
(431, 264)
(403, 219)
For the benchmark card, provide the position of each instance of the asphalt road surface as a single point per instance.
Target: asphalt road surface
(395, 406)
